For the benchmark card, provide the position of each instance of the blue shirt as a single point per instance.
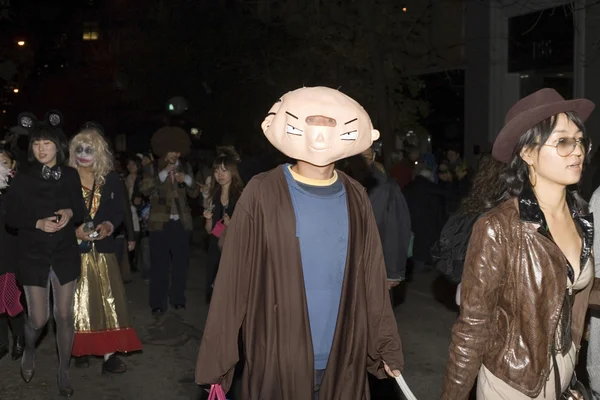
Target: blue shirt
(322, 229)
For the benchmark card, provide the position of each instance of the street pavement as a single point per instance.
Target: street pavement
(165, 368)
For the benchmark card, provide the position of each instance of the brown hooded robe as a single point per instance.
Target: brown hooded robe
(260, 289)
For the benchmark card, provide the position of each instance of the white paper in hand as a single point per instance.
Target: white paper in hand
(405, 389)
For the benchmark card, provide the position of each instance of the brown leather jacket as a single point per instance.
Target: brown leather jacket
(513, 289)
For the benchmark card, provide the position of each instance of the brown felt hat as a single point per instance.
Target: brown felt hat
(530, 111)
(170, 138)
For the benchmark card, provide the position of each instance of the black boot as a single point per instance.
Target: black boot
(64, 386)
(3, 350)
(114, 365)
(82, 362)
(18, 347)
(28, 360)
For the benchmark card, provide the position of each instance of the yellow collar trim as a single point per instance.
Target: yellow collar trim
(313, 182)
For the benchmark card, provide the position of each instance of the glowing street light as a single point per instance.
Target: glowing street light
(16, 90)
(404, 9)
(21, 43)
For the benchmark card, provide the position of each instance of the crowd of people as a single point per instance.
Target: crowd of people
(301, 256)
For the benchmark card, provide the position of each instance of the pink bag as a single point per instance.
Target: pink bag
(218, 229)
(216, 393)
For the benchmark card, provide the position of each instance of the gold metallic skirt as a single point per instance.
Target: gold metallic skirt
(101, 318)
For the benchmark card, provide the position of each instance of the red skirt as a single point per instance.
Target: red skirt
(105, 342)
(102, 323)
(10, 295)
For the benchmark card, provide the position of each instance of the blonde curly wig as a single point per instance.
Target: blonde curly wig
(103, 158)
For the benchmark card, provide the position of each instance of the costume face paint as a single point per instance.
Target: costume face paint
(319, 125)
(84, 154)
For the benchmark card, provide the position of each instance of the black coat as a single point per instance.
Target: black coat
(426, 202)
(393, 222)
(126, 229)
(111, 209)
(8, 242)
(30, 198)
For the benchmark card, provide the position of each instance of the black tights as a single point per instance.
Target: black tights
(38, 305)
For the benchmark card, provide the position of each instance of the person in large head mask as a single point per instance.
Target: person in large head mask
(302, 272)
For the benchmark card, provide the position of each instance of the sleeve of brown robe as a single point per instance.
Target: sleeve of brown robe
(219, 347)
(384, 340)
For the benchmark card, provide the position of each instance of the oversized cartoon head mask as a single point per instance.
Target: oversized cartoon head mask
(319, 125)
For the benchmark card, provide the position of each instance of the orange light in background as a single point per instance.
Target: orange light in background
(3, 111)
(16, 90)
(21, 43)
(404, 9)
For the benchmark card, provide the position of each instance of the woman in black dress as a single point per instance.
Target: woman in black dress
(44, 204)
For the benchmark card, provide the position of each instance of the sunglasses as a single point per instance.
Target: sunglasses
(566, 146)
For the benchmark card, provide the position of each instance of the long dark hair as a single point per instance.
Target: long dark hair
(138, 163)
(488, 186)
(227, 158)
(516, 176)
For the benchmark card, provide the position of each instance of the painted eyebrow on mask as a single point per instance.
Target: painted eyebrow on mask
(271, 113)
(291, 115)
(352, 120)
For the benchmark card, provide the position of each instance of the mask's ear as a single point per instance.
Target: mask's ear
(54, 118)
(27, 120)
(270, 116)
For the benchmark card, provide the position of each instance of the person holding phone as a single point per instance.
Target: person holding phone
(170, 221)
(44, 204)
(226, 188)
(102, 326)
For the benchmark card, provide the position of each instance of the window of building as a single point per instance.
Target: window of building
(90, 31)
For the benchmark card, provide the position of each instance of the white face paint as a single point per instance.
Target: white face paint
(84, 154)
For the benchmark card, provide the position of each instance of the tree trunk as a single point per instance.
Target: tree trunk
(384, 122)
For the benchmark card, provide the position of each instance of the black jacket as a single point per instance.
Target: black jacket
(426, 202)
(8, 242)
(111, 209)
(393, 222)
(126, 229)
(30, 198)
(450, 250)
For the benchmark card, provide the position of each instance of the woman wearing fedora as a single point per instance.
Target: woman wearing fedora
(528, 272)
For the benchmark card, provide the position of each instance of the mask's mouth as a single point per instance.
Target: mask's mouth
(84, 161)
(319, 150)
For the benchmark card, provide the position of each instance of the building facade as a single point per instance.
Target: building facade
(515, 48)
(507, 50)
